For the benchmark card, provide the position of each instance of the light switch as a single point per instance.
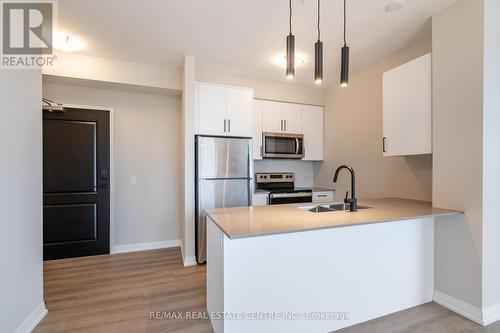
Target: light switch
(133, 180)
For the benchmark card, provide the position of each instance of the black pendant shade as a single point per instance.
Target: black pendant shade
(344, 70)
(290, 56)
(318, 55)
(318, 62)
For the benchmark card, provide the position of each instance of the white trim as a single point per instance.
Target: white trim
(145, 246)
(188, 261)
(111, 163)
(468, 311)
(33, 319)
(491, 314)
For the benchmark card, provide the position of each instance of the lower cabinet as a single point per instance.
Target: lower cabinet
(319, 196)
(259, 199)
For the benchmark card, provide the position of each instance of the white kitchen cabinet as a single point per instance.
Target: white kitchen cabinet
(292, 117)
(272, 117)
(257, 129)
(323, 195)
(239, 111)
(407, 104)
(259, 198)
(225, 111)
(280, 117)
(312, 128)
(211, 109)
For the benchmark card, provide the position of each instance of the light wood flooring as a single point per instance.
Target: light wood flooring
(117, 293)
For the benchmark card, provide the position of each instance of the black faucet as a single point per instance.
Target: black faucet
(353, 202)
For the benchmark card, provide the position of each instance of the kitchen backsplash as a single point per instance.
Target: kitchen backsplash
(303, 169)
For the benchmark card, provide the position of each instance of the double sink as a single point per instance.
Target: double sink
(336, 207)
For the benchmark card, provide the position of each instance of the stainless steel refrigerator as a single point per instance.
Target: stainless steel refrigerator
(223, 179)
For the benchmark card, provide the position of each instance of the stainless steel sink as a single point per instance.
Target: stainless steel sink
(337, 207)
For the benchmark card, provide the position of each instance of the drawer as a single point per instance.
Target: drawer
(323, 196)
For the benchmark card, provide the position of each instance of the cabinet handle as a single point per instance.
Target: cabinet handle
(224, 125)
(285, 124)
(229, 125)
(281, 124)
(384, 144)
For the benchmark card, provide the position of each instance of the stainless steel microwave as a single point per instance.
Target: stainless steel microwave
(282, 145)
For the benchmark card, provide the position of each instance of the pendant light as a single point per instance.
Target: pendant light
(318, 55)
(344, 75)
(290, 49)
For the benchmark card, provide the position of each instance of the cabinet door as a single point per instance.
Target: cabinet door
(292, 117)
(272, 120)
(312, 128)
(211, 109)
(239, 112)
(407, 109)
(257, 129)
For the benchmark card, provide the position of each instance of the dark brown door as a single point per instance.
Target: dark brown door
(75, 183)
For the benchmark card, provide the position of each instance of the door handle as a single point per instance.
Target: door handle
(384, 144)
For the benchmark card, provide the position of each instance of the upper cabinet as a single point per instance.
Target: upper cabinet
(225, 111)
(312, 128)
(279, 117)
(407, 103)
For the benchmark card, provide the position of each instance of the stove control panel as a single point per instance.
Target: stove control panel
(285, 177)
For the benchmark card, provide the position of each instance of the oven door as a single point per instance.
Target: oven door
(282, 145)
(286, 198)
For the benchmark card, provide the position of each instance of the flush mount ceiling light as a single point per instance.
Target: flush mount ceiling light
(68, 43)
(290, 48)
(280, 60)
(394, 5)
(318, 55)
(344, 70)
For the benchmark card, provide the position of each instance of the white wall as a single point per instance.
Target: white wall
(458, 43)
(213, 73)
(21, 279)
(491, 166)
(353, 135)
(147, 146)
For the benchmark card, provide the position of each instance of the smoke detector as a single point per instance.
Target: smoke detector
(394, 5)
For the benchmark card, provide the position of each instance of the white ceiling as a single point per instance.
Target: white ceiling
(245, 34)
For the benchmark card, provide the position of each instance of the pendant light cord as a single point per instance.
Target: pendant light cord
(290, 18)
(345, 42)
(319, 32)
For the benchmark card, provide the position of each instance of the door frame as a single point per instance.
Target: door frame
(111, 166)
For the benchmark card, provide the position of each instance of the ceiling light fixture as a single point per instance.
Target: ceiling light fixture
(318, 55)
(290, 49)
(68, 43)
(394, 5)
(344, 75)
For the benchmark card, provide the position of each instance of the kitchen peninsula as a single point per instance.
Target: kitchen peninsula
(289, 264)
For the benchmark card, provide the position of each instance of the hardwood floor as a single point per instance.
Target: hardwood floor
(118, 293)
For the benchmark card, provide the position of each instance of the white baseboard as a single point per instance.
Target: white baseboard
(468, 311)
(33, 319)
(491, 314)
(145, 246)
(188, 261)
